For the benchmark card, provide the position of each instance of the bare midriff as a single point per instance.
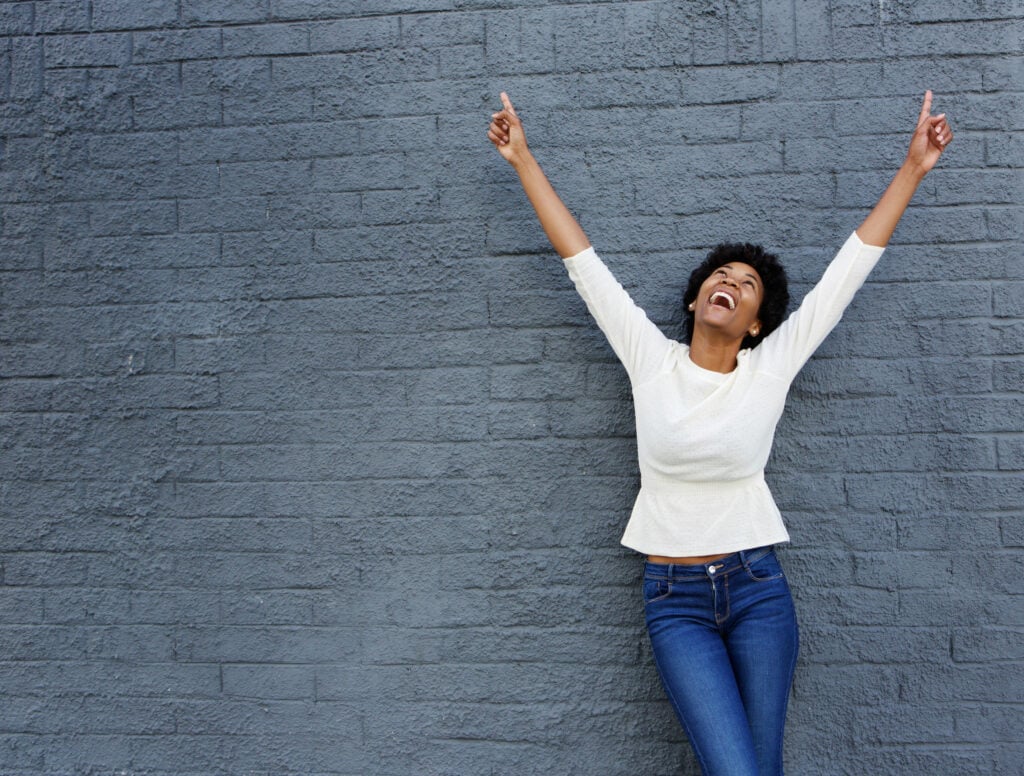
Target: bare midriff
(693, 560)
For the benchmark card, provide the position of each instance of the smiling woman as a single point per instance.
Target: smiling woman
(763, 272)
(718, 607)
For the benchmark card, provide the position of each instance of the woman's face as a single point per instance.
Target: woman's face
(729, 300)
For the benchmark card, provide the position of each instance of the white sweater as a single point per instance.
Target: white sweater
(703, 437)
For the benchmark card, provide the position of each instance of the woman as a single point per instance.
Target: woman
(718, 608)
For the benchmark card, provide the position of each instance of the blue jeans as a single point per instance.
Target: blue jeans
(724, 636)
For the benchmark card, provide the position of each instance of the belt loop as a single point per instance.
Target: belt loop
(743, 558)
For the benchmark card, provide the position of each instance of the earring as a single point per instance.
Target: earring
(754, 331)
(692, 306)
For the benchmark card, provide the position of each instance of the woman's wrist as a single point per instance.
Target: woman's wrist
(912, 171)
(521, 160)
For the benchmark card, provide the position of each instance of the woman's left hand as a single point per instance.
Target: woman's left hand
(930, 139)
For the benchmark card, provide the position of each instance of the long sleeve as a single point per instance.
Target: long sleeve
(638, 343)
(787, 348)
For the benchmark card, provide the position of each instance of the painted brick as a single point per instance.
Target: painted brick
(744, 36)
(173, 45)
(967, 37)
(259, 143)
(16, 18)
(850, 645)
(1004, 222)
(1001, 9)
(26, 68)
(177, 112)
(267, 39)
(266, 107)
(266, 247)
(201, 77)
(935, 722)
(357, 35)
(432, 29)
(272, 682)
(518, 43)
(460, 62)
(117, 218)
(375, 67)
(1007, 299)
(61, 16)
(207, 11)
(132, 14)
(813, 33)
(588, 38)
(976, 646)
(333, 8)
(1001, 149)
(108, 49)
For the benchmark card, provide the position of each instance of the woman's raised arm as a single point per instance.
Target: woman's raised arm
(931, 136)
(506, 132)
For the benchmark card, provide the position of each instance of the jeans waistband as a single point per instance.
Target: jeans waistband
(721, 566)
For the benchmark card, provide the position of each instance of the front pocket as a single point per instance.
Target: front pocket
(765, 569)
(656, 589)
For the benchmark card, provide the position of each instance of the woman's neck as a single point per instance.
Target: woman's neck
(714, 354)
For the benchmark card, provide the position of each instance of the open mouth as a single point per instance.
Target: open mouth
(722, 299)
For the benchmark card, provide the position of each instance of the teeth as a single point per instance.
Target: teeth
(729, 300)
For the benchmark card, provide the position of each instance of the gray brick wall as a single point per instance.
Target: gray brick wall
(311, 461)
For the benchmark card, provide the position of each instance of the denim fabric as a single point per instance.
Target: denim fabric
(725, 641)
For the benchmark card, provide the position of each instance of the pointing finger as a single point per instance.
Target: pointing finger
(507, 103)
(926, 106)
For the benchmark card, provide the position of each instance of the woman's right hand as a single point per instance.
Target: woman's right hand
(506, 132)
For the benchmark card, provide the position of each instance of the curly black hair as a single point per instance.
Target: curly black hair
(773, 277)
